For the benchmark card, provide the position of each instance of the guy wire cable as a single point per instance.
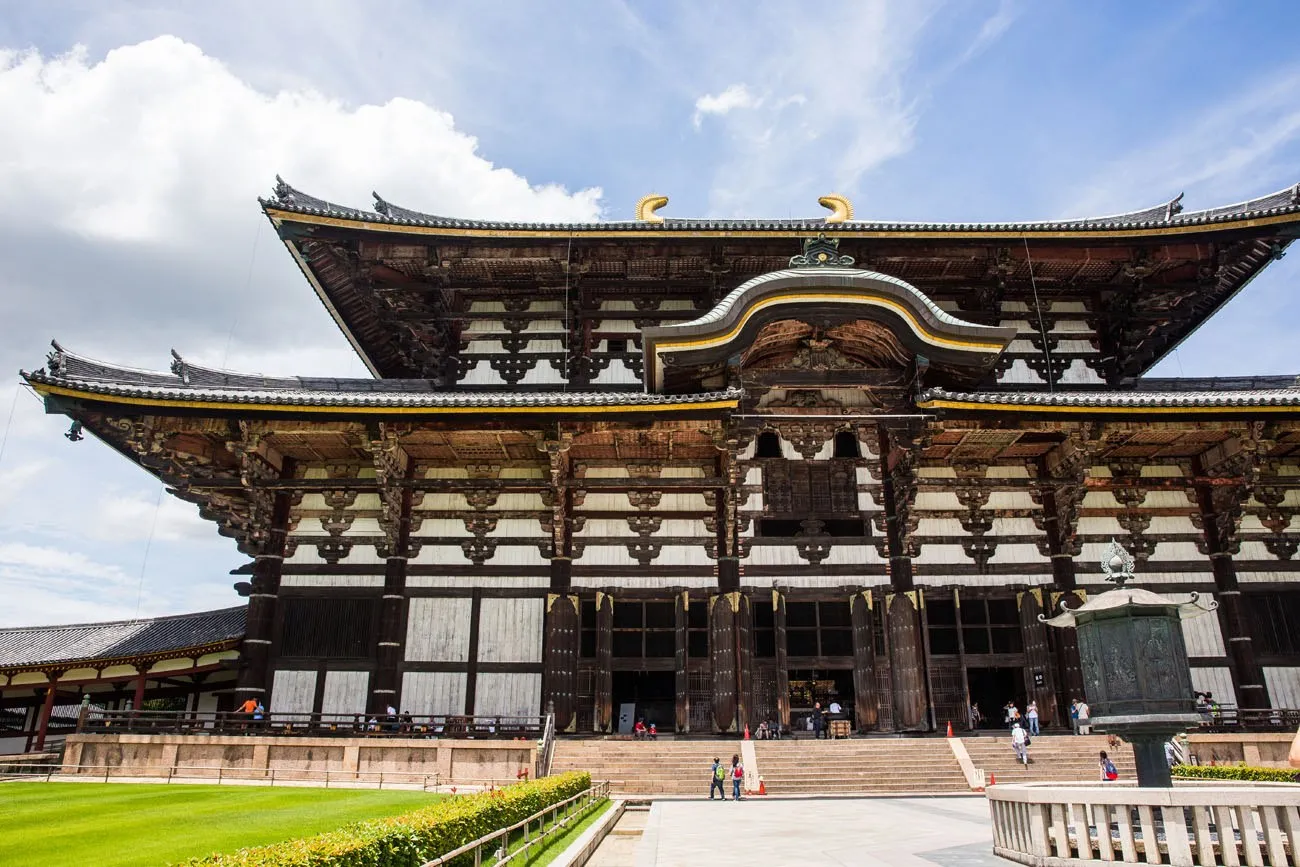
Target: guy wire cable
(144, 562)
(568, 338)
(1038, 308)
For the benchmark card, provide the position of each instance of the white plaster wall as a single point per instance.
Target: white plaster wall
(508, 694)
(774, 555)
(510, 630)
(293, 691)
(617, 373)
(1283, 686)
(1219, 682)
(543, 373)
(433, 692)
(437, 630)
(345, 692)
(482, 374)
(852, 555)
(645, 582)
(332, 581)
(1202, 635)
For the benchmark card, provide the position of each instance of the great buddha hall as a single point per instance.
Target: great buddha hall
(707, 472)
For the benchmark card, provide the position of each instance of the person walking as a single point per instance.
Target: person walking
(717, 774)
(818, 720)
(1108, 772)
(1084, 714)
(737, 776)
(1020, 743)
(1074, 715)
(1031, 713)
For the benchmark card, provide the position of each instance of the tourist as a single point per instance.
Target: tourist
(835, 709)
(717, 774)
(1084, 713)
(1108, 772)
(408, 723)
(1010, 715)
(1171, 753)
(737, 777)
(1031, 713)
(639, 730)
(259, 712)
(1020, 744)
(762, 732)
(246, 711)
(818, 720)
(975, 716)
(1074, 715)
(653, 732)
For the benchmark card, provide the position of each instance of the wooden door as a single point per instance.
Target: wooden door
(561, 661)
(1040, 678)
(906, 663)
(866, 701)
(722, 654)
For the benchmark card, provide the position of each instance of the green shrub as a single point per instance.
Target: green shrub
(411, 839)
(1235, 772)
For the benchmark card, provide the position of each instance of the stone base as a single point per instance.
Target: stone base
(419, 761)
(1259, 749)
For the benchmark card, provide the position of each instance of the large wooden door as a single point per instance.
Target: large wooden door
(866, 701)
(604, 661)
(722, 654)
(906, 662)
(561, 662)
(1040, 676)
(681, 604)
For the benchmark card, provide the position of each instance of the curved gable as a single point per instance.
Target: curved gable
(825, 294)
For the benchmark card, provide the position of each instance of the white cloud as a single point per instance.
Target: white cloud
(734, 97)
(159, 134)
(127, 203)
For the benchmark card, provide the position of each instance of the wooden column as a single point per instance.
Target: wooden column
(47, 710)
(782, 659)
(681, 660)
(390, 647)
(138, 701)
(255, 650)
(1059, 491)
(898, 452)
(866, 702)
(1218, 527)
(604, 685)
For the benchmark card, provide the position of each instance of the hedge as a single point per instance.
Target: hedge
(410, 839)
(1235, 772)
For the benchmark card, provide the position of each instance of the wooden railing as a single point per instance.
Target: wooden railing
(1215, 822)
(311, 724)
(517, 841)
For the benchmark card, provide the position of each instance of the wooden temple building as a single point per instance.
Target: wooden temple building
(707, 472)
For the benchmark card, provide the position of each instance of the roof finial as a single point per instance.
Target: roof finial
(821, 252)
(1175, 206)
(57, 361)
(646, 207)
(180, 368)
(840, 207)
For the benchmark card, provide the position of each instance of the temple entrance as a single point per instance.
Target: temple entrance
(825, 686)
(652, 694)
(992, 688)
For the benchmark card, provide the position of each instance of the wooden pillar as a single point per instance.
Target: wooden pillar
(744, 636)
(681, 659)
(604, 685)
(1059, 490)
(1234, 619)
(390, 645)
(900, 559)
(782, 659)
(560, 672)
(137, 703)
(866, 702)
(1040, 676)
(259, 625)
(47, 710)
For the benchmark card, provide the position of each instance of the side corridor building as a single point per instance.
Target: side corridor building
(708, 472)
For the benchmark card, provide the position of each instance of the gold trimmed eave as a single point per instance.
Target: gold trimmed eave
(1281, 401)
(826, 294)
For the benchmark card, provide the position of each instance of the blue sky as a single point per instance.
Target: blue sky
(141, 134)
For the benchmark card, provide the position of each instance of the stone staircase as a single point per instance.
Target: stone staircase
(859, 766)
(1052, 758)
(789, 767)
(647, 768)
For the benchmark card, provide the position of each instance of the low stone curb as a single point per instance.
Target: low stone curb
(581, 849)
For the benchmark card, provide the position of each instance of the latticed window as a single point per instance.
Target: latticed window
(1275, 617)
(818, 629)
(644, 629)
(991, 626)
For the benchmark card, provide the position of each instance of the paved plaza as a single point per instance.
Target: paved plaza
(867, 832)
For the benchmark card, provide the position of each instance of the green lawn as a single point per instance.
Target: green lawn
(557, 846)
(119, 824)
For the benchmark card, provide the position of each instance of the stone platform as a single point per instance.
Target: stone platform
(428, 761)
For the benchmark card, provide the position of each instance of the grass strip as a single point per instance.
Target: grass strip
(556, 845)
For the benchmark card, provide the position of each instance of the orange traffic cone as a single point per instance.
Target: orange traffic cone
(949, 728)
(762, 788)
(993, 779)
(746, 731)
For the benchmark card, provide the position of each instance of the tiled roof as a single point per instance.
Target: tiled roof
(1287, 201)
(1194, 399)
(29, 646)
(192, 383)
